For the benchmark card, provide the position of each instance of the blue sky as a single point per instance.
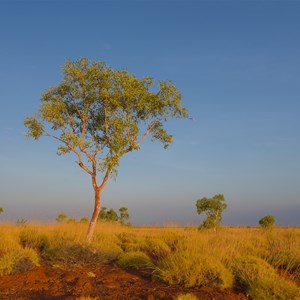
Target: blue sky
(237, 66)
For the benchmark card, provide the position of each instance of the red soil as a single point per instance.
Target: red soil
(109, 283)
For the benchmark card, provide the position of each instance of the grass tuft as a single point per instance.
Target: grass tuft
(193, 269)
(17, 261)
(260, 280)
(136, 260)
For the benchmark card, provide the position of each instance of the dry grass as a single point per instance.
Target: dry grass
(165, 249)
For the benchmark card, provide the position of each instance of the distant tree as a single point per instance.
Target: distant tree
(124, 215)
(267, 221)
(1, 210)
(102, 214)
(71, 221)
(62, 217)
(213, 208)
(84, 220)
(100, 114)
(112, 216)
(21, 222)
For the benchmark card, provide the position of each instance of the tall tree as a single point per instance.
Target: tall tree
(100, 114)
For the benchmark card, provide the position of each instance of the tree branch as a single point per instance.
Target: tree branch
(80, 163)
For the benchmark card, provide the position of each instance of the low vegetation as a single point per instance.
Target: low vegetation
(263, 264)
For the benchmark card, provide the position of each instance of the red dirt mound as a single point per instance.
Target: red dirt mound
(105, 283)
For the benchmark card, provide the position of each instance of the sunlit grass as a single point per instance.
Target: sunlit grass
(176, 255)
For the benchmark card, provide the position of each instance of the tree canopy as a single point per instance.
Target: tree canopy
(103, 113)
(213, 208)
(267, 221)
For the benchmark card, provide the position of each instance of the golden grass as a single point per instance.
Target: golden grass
(169, 249)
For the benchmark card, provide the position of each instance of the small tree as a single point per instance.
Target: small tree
(112, 216)
(102, 214)
(213, 208)
(62, 218)
(124, 215)
(100, 114)
(1, 210)
(84, 220)
(267, 221)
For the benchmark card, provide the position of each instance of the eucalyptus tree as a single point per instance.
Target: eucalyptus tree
(124, 214)
(213, 208)
(100, 114)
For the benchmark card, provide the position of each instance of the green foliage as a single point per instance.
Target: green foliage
(267, 221)
(136, 260)
(61, 218)
(124, 215)
(193, 269)
(261, 281)
(213, 208)
(97, 109)
(112, 216)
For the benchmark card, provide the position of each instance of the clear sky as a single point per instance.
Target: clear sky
(237, 65)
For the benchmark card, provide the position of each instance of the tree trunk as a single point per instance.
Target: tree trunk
(94, 218)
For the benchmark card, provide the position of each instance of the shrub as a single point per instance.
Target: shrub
(18, 261)
(193, 269)
(33, 239)
(8, 244)
(267, 221)
(78, 254)
(136, 260)
(256, 277)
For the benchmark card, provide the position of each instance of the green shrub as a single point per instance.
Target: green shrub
(193, 269)
(18, 261)
(260, 281)
(136, 260)
(267, 221)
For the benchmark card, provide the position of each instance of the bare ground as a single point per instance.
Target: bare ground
(105, 283)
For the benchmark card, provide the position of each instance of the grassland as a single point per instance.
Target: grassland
(262, 264)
